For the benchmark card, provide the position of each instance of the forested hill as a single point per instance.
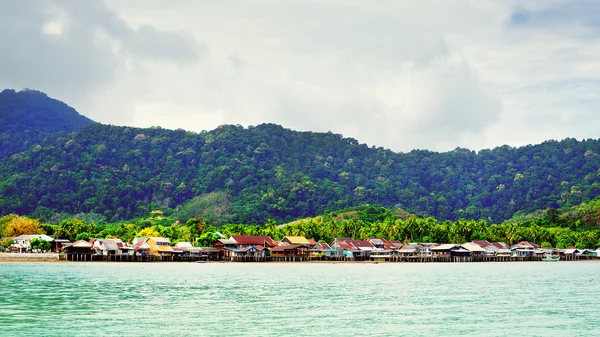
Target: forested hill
(252, 174)
(29, 116)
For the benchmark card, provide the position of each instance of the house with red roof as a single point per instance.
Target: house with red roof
(244, 246)
(501, 245)
(264, 241)
(377, 243)
(482, 243)
(393, 244)
(140, 246)
(355, 249)
(524, 249)
(528, 244)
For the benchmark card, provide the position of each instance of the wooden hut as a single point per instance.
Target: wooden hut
(79, 251)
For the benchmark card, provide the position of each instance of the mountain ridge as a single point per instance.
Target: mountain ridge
(252, 174)
(29, 116)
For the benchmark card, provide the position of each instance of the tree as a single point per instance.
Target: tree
(85, 236)
(40, 245)
(4, 221)
(6, 243)
(69, 229)
(147, 233)
(21, 225)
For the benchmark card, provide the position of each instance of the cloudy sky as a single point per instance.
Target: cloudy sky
(398, 74)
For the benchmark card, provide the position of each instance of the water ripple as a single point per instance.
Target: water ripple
(216, 299)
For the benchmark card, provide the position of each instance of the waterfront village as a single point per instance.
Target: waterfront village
(289, 249)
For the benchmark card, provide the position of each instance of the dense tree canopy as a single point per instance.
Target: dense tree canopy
(13, 225)
(28, 117)
(251, 175)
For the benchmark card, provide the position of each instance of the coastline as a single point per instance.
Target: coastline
(30, 257)
(55, 258)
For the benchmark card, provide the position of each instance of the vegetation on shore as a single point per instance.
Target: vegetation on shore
(550, 230)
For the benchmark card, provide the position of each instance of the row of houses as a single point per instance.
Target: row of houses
(375, 249)
(297, 248)
(154, 246)
(22, 243)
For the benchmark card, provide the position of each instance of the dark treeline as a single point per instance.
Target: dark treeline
(250, 175)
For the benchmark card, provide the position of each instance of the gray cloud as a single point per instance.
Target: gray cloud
(431, 74)
(73, 49)
(32, 58)
(150, 42)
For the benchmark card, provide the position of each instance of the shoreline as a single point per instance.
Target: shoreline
(30, 257)
(55, 259)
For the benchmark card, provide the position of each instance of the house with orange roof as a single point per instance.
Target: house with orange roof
(295, 240)
(160, 246)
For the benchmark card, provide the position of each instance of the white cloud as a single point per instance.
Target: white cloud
(403, 75)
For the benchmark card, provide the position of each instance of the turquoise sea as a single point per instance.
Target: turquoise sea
(300, 299)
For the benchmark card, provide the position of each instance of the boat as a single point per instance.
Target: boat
(551, 259)
(200, 261)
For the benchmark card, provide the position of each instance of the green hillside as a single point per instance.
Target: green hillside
(250, 175)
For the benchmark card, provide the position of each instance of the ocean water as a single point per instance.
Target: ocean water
(300, 299)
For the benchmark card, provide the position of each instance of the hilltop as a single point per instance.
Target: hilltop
(29, 116)
(252, 174)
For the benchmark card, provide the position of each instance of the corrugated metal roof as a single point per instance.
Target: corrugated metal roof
(109, 244)
(137, 241)
(81, 244)
(209, 250)
(501, 245)
(164, 249)
(380, 252)
(142, 245)
(29, 237)
(528, 243)
(446, 246)
(183, 245)
(377, 242)
(362, 244)
(284, 248)
(482, 243)
(254, 240)
(297, 240)
(407, 250)
(245, 249)
(472, 247)
(322, 245)
(162, 240)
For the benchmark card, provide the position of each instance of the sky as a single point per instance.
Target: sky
(403, 75)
